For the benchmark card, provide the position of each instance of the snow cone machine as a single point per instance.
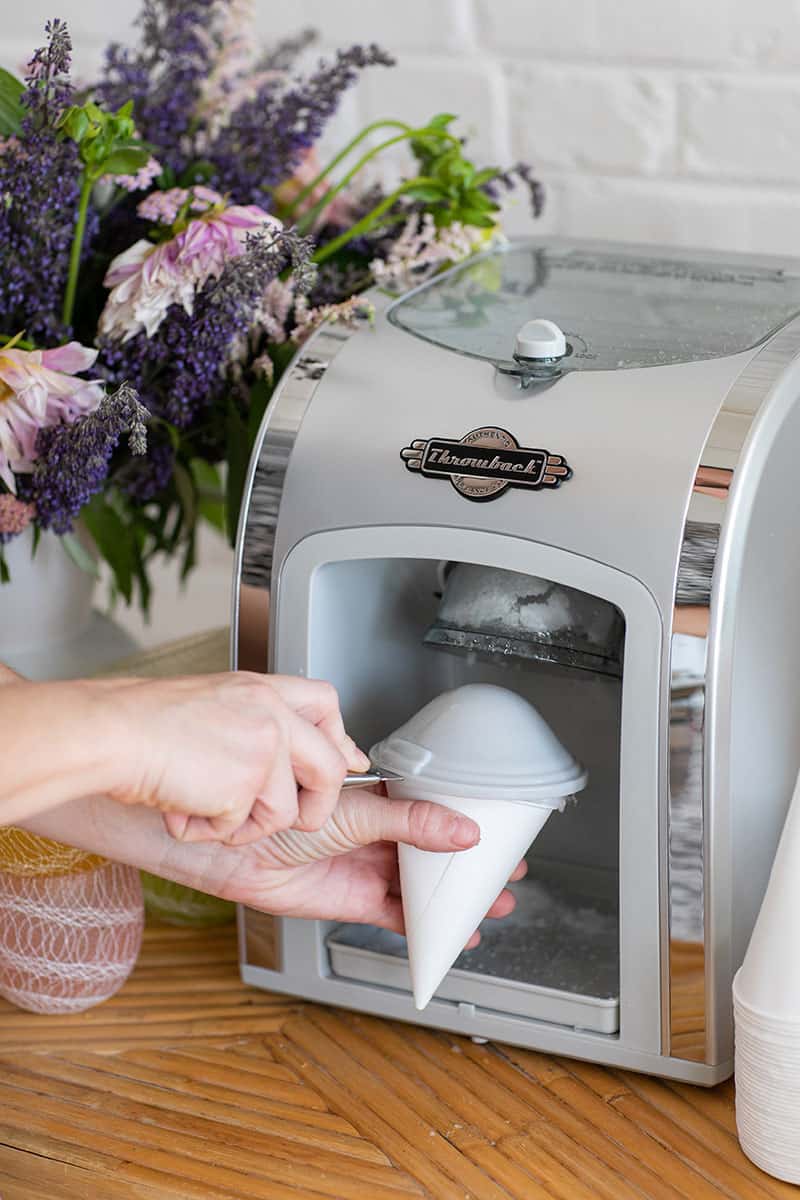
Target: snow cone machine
(568, 469)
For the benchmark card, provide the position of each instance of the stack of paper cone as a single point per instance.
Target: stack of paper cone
(766, 1001)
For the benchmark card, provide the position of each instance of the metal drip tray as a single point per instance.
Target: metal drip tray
(556, 959)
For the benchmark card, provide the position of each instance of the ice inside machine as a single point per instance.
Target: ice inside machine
(565, 469)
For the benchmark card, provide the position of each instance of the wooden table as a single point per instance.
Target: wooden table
(190, 1085)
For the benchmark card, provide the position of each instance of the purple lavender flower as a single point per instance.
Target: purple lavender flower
(39, 185)
(523, 173)
(335, 283)
(39, 188)
(48, 88)
(73, 460)
(164, 77)
(144, 477)
(282, 55)
(266, 136)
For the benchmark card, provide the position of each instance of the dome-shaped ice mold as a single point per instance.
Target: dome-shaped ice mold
(485, 742)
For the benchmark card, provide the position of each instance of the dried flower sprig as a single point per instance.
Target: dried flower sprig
(423, 248)
(47, 85)
(72, 460)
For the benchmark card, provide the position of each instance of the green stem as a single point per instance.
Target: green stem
(15, 341)
(367, 222)
(75, 253)
(308, 218)
(351, 145)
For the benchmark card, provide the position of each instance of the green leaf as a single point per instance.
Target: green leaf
(206, 477)
(79, 554)
(172, 432)
(127, 142)
(187, 494)
(238, 457)
(441, 120)
(5, 574)
(189, 555)
(96, 148)
(114, 541)
(137, 522)
(471, 216)
(210, 496)
(479, 200)
(124, 129)
(461, 170)
(124, 162)
(140, 571)
(260, 394)
(197, 172)
(428, 193)
(11, 110)
(485, 176)
(76, 124)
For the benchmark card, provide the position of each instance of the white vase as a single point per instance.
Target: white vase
(48, 627)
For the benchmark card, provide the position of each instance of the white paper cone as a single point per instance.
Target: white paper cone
(487, 753)
(769, 978)
(446, 896)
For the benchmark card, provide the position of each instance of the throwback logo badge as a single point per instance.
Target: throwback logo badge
(482, 465)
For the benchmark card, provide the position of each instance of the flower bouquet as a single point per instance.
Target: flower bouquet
(169, 236)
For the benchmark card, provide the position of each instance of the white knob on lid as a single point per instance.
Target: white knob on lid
(540, 339)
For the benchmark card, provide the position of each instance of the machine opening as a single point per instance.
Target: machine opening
(405, 630)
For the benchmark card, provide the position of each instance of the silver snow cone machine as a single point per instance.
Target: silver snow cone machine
(569, 469)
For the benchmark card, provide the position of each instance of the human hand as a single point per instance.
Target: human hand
(234, 757)
(346, 871)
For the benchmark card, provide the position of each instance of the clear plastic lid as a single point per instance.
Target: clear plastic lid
(619, 306)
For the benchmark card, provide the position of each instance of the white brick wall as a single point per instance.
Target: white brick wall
(665, 120)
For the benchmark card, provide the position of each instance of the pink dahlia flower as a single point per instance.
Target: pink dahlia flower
(40, 388)
(15, 515)
(146, 279)
(138, 182)
(163, 207)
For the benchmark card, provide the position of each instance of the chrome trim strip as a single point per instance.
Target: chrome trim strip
(694, 927)
(258, 519)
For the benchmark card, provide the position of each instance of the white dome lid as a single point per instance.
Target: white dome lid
(485, 742)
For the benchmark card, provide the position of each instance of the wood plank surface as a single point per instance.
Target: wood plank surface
(189, 1085)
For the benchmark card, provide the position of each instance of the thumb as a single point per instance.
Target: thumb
(363, 817)
(366, 817)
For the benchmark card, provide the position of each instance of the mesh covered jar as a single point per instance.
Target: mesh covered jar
(70, 924)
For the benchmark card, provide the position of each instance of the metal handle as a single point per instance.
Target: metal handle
(369, 778)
